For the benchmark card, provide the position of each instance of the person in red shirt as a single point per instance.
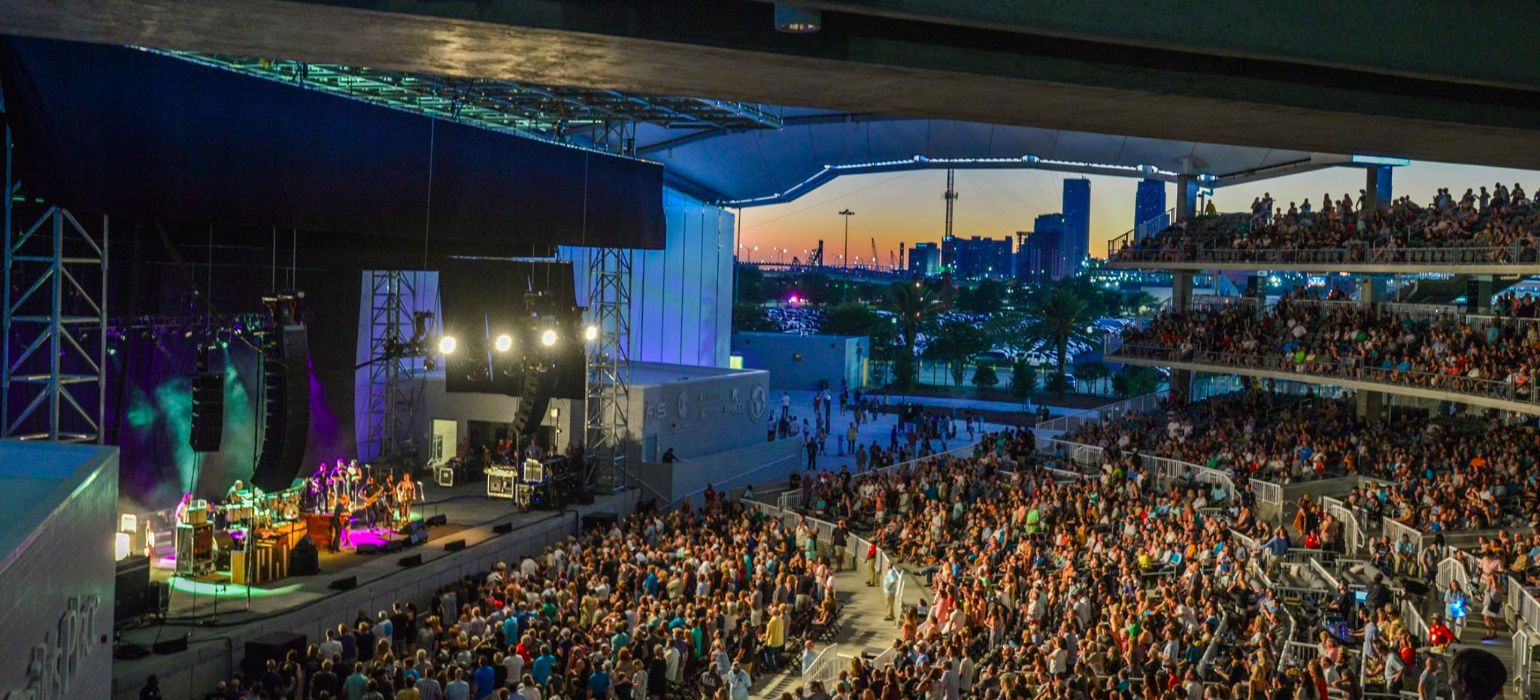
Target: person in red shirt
(1439, 634)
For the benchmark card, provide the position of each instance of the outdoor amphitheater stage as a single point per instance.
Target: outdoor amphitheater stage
(218, 618)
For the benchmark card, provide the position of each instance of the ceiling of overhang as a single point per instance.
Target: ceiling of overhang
(769, 165)
(746, 154)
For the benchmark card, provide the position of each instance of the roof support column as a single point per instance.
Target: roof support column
(1186, 196)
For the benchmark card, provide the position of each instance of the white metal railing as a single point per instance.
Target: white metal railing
(1395, 529)
(1411, 617)
(1319, 569)
(1523, 603)
(1268, 493)
(1452, 569)
(1523, 660)
(1143, 403)
(825, 667)
(1352, 527)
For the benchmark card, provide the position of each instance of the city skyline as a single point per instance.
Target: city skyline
(908, 208)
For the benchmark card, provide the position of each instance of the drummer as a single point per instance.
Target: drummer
(237, 493)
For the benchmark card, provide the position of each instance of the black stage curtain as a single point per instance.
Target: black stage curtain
(141, 135)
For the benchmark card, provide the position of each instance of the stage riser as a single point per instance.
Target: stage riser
(195, 671)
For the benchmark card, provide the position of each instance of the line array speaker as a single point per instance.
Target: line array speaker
(208, 412)
(286, 378)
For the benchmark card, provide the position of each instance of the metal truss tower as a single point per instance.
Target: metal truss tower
(607, 424)
(54, 319)
(391, 370)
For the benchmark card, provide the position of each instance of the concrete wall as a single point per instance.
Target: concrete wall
(800, 362)
(436, 403)
(57, 577)
(698, 416)
(681, 296)
(762, 463)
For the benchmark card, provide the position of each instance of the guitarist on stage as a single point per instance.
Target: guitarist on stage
(340, 517)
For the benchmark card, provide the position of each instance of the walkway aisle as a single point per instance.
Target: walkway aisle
(861, 628)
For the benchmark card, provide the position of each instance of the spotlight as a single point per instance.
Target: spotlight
(504, 343)
(591, 333)
(447, 345)
(548, 337)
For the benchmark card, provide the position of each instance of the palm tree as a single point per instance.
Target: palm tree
(1059, 318)
(912, 303)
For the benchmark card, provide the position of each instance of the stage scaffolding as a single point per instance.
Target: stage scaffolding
(54, 319)
(608, 399)
(391, 368)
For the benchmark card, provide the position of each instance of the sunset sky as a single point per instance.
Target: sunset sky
(907, 207)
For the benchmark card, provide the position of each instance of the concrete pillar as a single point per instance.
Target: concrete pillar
(1186, 197)
(1181, 290)
(1372, 190)
(1478, 293)
(1386, 193)
(1371, 290)
(1371, 404)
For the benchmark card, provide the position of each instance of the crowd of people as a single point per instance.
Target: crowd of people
(1439, 475)
(1497, 356)
(696, 602)
(1491, 226)
(1113, 586)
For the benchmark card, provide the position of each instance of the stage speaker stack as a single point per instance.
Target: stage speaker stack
(208, 412)
(304, 559)
(131, 595)
(286, 356)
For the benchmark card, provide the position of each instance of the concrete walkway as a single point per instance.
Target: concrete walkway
(877, 429)
(862, 628)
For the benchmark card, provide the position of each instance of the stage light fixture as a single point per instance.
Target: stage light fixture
(548, 337)
(591, 333)
(120, 546)
(504, 343)
(447, 345)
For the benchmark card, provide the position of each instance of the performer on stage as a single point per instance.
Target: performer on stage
(405, 492)
(182, 506)
(237, 493)
(340, 537)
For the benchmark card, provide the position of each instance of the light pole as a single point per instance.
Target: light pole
(847, 214)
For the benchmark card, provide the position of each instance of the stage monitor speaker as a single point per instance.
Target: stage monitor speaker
(286, 375)
(599, 520)
(208, 412)
(131, 597)
(437, 520)
(416, 533)
(344, 584)
(173, 645)
(393, 546)
(367, 549)
(160, 598)
(411, 561)
(454, 545)
(304, 559)
(502, 528)
(274, 647)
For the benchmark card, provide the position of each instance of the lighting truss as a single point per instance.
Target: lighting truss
(55, 327)
(557, 113)
(53, 319)
(391, 370)
(608, 400)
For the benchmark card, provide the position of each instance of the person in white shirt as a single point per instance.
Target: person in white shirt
(738, 682)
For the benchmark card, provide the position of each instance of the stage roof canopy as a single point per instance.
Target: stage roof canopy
(748, 154)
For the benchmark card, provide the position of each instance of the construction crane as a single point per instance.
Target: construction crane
(816, 259)
(874, 253)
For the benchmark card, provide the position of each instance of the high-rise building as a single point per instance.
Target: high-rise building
(1077, 222)
(925, 259)
(1040, 256)
(1149, 206)
(975, 257)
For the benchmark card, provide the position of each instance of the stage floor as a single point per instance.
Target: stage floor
(209, 611)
